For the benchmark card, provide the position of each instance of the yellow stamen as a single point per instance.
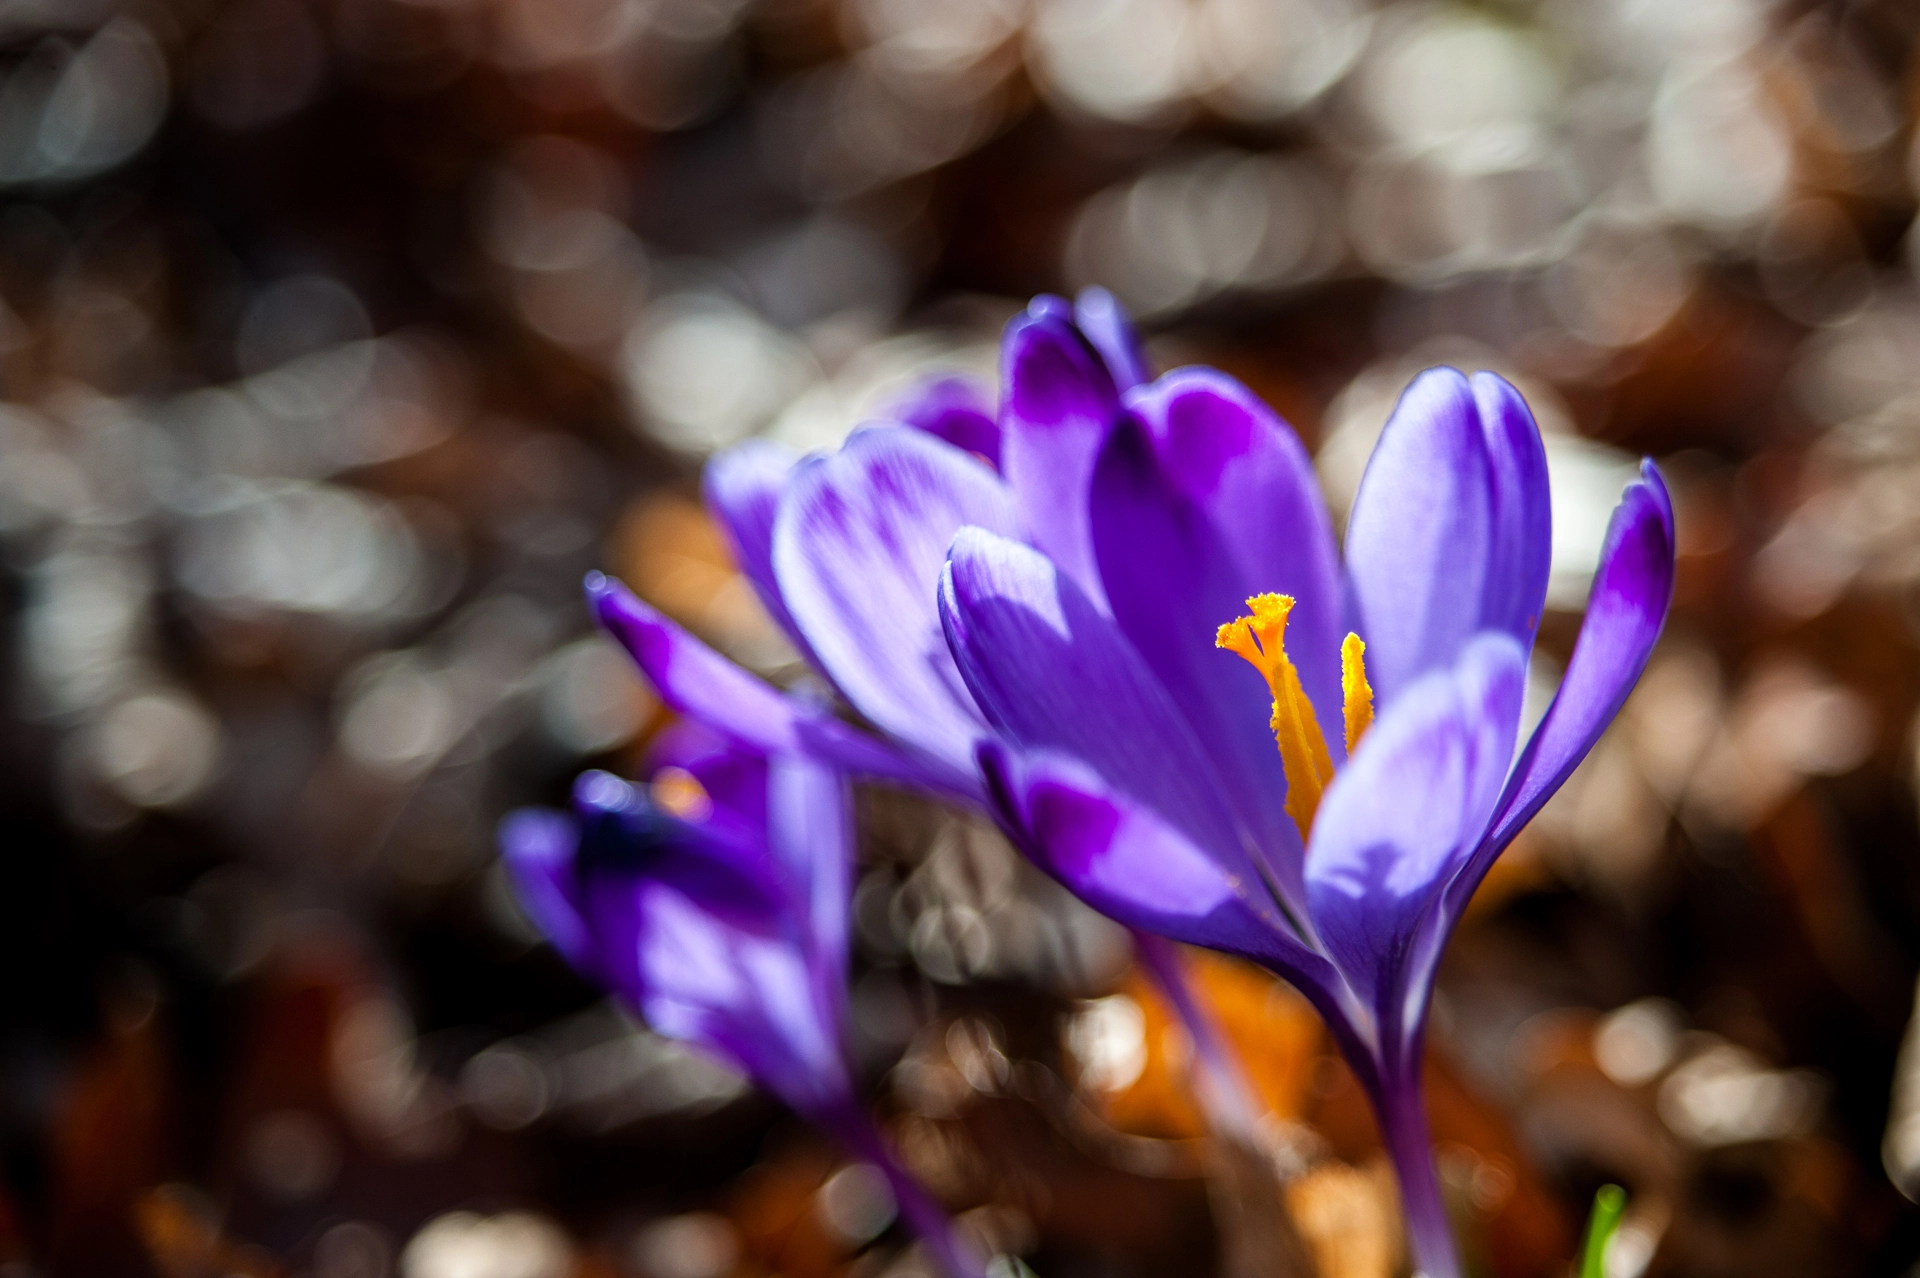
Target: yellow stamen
(677, 792)
(1355, 690)
(1261, 639)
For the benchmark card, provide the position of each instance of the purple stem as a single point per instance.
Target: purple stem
(1225, 1094)
(1403, 1126)
(918, 1210)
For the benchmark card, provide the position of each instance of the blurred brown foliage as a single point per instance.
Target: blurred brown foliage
(338, 338)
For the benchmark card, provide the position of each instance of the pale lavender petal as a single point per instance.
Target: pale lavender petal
(1450, 530)
(698, 682)
(1408, 809)
(1106, 324)
(858, 547)
(1625, 611)
(1057, 403)
(954, 408)
(1052, 672)
(742, 487)
(537, 847)
(1121, 858)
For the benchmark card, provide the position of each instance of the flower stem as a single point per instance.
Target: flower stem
(1224, 1091)
(1257, 1233)
(918, 1210)
(1403, 1123)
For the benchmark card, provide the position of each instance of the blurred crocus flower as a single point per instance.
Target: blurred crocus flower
(713, 899)
(1044, 637)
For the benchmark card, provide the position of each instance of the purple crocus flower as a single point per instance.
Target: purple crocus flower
(1044, 638)
(744, 489)
(713, 900)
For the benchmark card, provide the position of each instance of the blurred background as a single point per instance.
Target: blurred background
(339, 338)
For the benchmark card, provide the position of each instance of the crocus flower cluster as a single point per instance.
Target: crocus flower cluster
(1112, 614)
(713, 900)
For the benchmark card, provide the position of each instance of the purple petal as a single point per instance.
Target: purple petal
(795, 806)
(1106, 324)
(1450, 533)
(810, 830)
(1625, 611)
(734, 776)
(1050, 306)
(1209, 501)
(1057, 403)
(1119, 857)
(707, 939)
(1522, 546)
(858, 548)
(953, 408)
(1229, 454)
(723, 864)
(751, 998)
(1172, 581)
(694, 933)
(698, 682)
(742, 487)
(1052, 672)
(537, 847)
(1408, 809)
